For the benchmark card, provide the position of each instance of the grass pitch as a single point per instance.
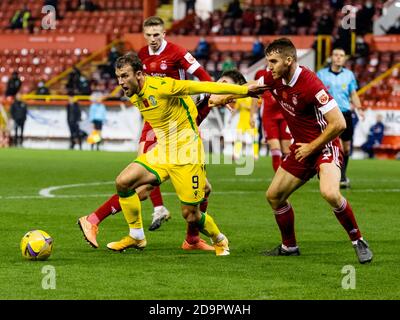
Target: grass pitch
(74, 183)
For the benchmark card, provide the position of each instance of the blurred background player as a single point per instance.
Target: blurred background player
(246, 129)
(275, 127)
(342, 85)
(165, 59)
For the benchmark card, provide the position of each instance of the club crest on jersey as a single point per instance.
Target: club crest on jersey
(189, 58)
(294, 99)
(153, 100)
(322, 97)
(163, 65)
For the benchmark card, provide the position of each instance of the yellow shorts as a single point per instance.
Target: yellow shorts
(188, 179)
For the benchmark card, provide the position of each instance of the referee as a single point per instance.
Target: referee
(342, 85)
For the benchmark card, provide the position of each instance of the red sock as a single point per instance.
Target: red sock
(156, 197)
(192, 233)
(111, 206)
(346, 218)
(276, 158)
(204, 204)
(284, 216)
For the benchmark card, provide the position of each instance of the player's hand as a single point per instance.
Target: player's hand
(219, 100)
(303, 151)
(256, 89)
(252, 123)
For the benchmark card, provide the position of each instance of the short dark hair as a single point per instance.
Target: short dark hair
(338, 48)
(235, 75)
(282, 46)
(130, 58)
(153, 21)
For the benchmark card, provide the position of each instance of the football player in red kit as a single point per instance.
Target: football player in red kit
(315, 122)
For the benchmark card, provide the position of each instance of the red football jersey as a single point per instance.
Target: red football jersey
(303, 101)
(271, 108)
(170, 60)
(174, 61)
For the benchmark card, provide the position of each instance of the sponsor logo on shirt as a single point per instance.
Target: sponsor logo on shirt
(322, 97)
(288, 108)
(189, 58)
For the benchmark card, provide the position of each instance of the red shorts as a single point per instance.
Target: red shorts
(148, 137)
(310, 166)
(276, 129)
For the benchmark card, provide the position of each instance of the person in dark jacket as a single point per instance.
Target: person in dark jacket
(375, 136)
(13, 84)
(18, 112)
(73, 118)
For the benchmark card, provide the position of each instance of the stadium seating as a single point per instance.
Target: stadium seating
(110, 18)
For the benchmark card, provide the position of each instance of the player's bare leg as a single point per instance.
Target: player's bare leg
(205, 223)
(329, 186)
(131, 178)
(282, 186)
(276, 153)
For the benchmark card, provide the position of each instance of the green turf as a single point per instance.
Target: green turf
(163, 270)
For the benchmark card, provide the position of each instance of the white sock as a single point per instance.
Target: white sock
(355, 242)
(137, 234)
(290, 249)
(158, 208)
(220, 237)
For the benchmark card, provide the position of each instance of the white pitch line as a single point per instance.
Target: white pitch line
(47, 192)
(76, 196)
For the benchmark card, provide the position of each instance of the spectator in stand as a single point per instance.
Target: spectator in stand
(202, 50)
(18, 112)
(73, 118)
(265, 24)
(190, 6)
(364, 18)
(325, 24)
(249, 18)
(21, 19)
(13, 84)
(303, 17)
(42, 89)
(87, 5)
(375, 137)
(84, 86)
(73, 81)
(228, 64)
(336, 4)
(362, 50)
(257, 50)
(234, 10)
(53, 3)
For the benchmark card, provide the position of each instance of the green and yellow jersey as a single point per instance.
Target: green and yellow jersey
(166, 104)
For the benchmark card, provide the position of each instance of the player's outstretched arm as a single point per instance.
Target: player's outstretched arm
(254, 88)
